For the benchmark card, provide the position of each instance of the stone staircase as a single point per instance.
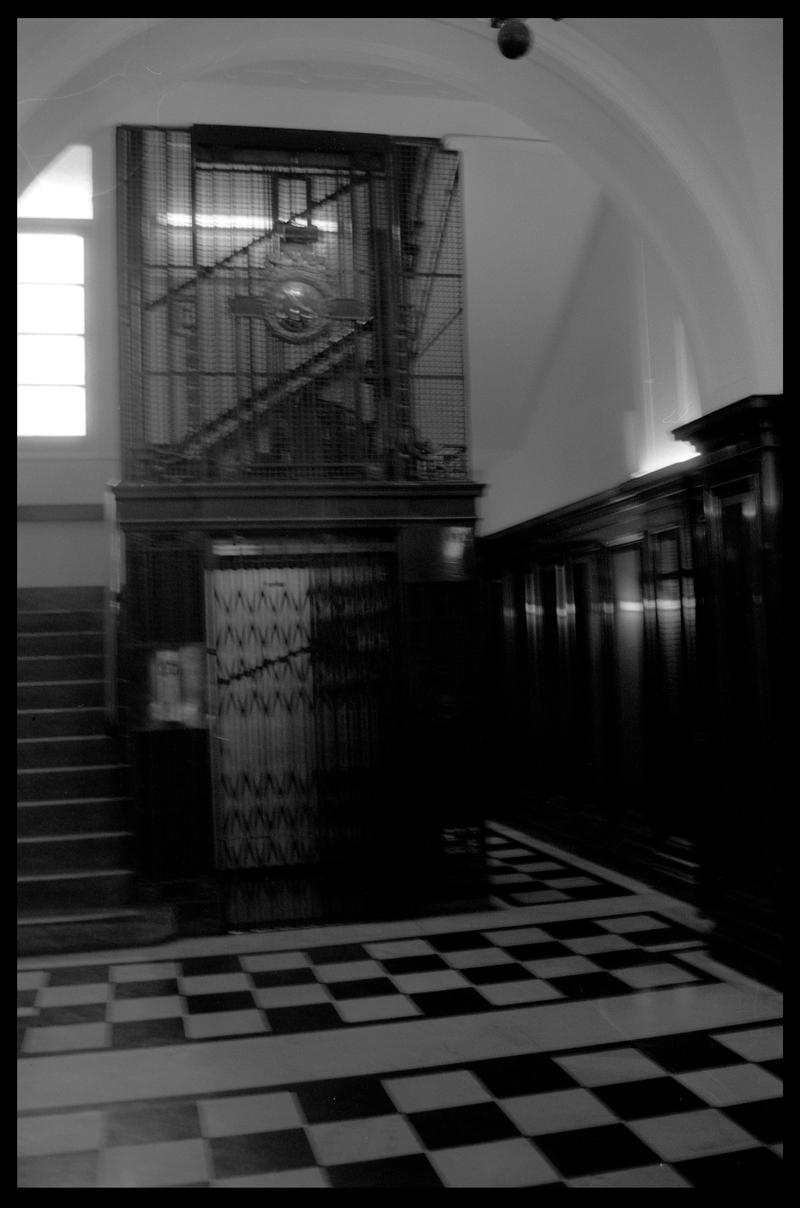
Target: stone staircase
(76, 886)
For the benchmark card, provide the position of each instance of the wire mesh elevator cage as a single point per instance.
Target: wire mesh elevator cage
(291, 307)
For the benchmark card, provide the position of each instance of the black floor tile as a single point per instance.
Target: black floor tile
(450, 1002)
(595, 1150)
(688, 1051)
(589, 985)
(142, 1033)
(195, 966)
(344, 1099)
(160, 988)
(654, 936)
(473, 1125)
(330, 954)
(205, 1004)
(412, 1171)
(60, 1170)
(583, 893)
(363, 987)
(309, 1018)
(142, 1123)
(775, 1066)
(259, 1153)
(26, 998)
(625, 958)
(763, 1120)
(755, 1169)
(648, 1097)
(414, 964)
(269, 978)
(78, 975)
(488, 975)
(59, 1017)
(538, 952)
(525, 1075)
(458, 941)
(572, 929)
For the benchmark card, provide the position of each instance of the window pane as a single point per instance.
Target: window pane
(50, 308)
(63, 189)
(51, 411)
(51, 259)
(50, 359)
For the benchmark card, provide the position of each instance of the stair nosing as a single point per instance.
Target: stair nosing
(80, 875)
(76, 767)
(34, 920)
(78, 838)
(67, 738)
(68, 801)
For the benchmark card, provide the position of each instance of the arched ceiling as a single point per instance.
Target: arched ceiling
(592, 85)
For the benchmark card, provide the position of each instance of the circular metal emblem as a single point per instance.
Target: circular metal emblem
(297, 307)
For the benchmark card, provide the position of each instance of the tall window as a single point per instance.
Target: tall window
(51, 313)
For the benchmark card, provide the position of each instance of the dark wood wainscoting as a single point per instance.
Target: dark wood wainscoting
(633, 687)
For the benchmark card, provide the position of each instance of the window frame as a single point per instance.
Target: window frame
(82, 227)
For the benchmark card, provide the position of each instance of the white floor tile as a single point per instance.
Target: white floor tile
(634, 922)
(692, 1135)
(244, 1114)
(125, 1010)
(610, 1066)
(585, 945)
(161, 1164)
(539, 896)
(643, 1176)
(503, 994)
(264, 962)
(383, 1006)
(477, 958)
(512, 1163)
(724, 1086)
(395, 948)
(64, 1132)
(73, 996)
(756, 1044)
(518, 935)
(71, 1037)
(149, 971)
(291, 996)
(435, 979)
(363, 1140)
(557, 1111)
(224, 1023)
(214, 983)
(456, 1088)
(340, 971)
(643, 977)
(310, 1177)
(32, 979)
(560, 966)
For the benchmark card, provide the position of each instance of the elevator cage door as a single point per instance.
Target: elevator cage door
(290, 307)
(303, 693)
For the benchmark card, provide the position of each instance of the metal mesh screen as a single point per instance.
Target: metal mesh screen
(290, 315)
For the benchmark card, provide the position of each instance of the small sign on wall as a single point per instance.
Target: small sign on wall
(177, 687)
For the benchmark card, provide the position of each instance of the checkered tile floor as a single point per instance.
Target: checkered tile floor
(569, 1042)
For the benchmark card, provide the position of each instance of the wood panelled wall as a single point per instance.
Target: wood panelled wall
(633, 682)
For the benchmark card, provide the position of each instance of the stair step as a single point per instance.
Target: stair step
(73, 816)
(50, 784)
(55, 854)
(60, 723)
(76, 693)
(62, 598)
(58, 621)
(49, 932)
(68, 642)
(74, 890)
(54, 669)
(69, 752)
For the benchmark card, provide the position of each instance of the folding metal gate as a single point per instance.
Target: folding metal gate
(302, 695)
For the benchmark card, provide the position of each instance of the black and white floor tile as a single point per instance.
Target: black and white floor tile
(578, 1042)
